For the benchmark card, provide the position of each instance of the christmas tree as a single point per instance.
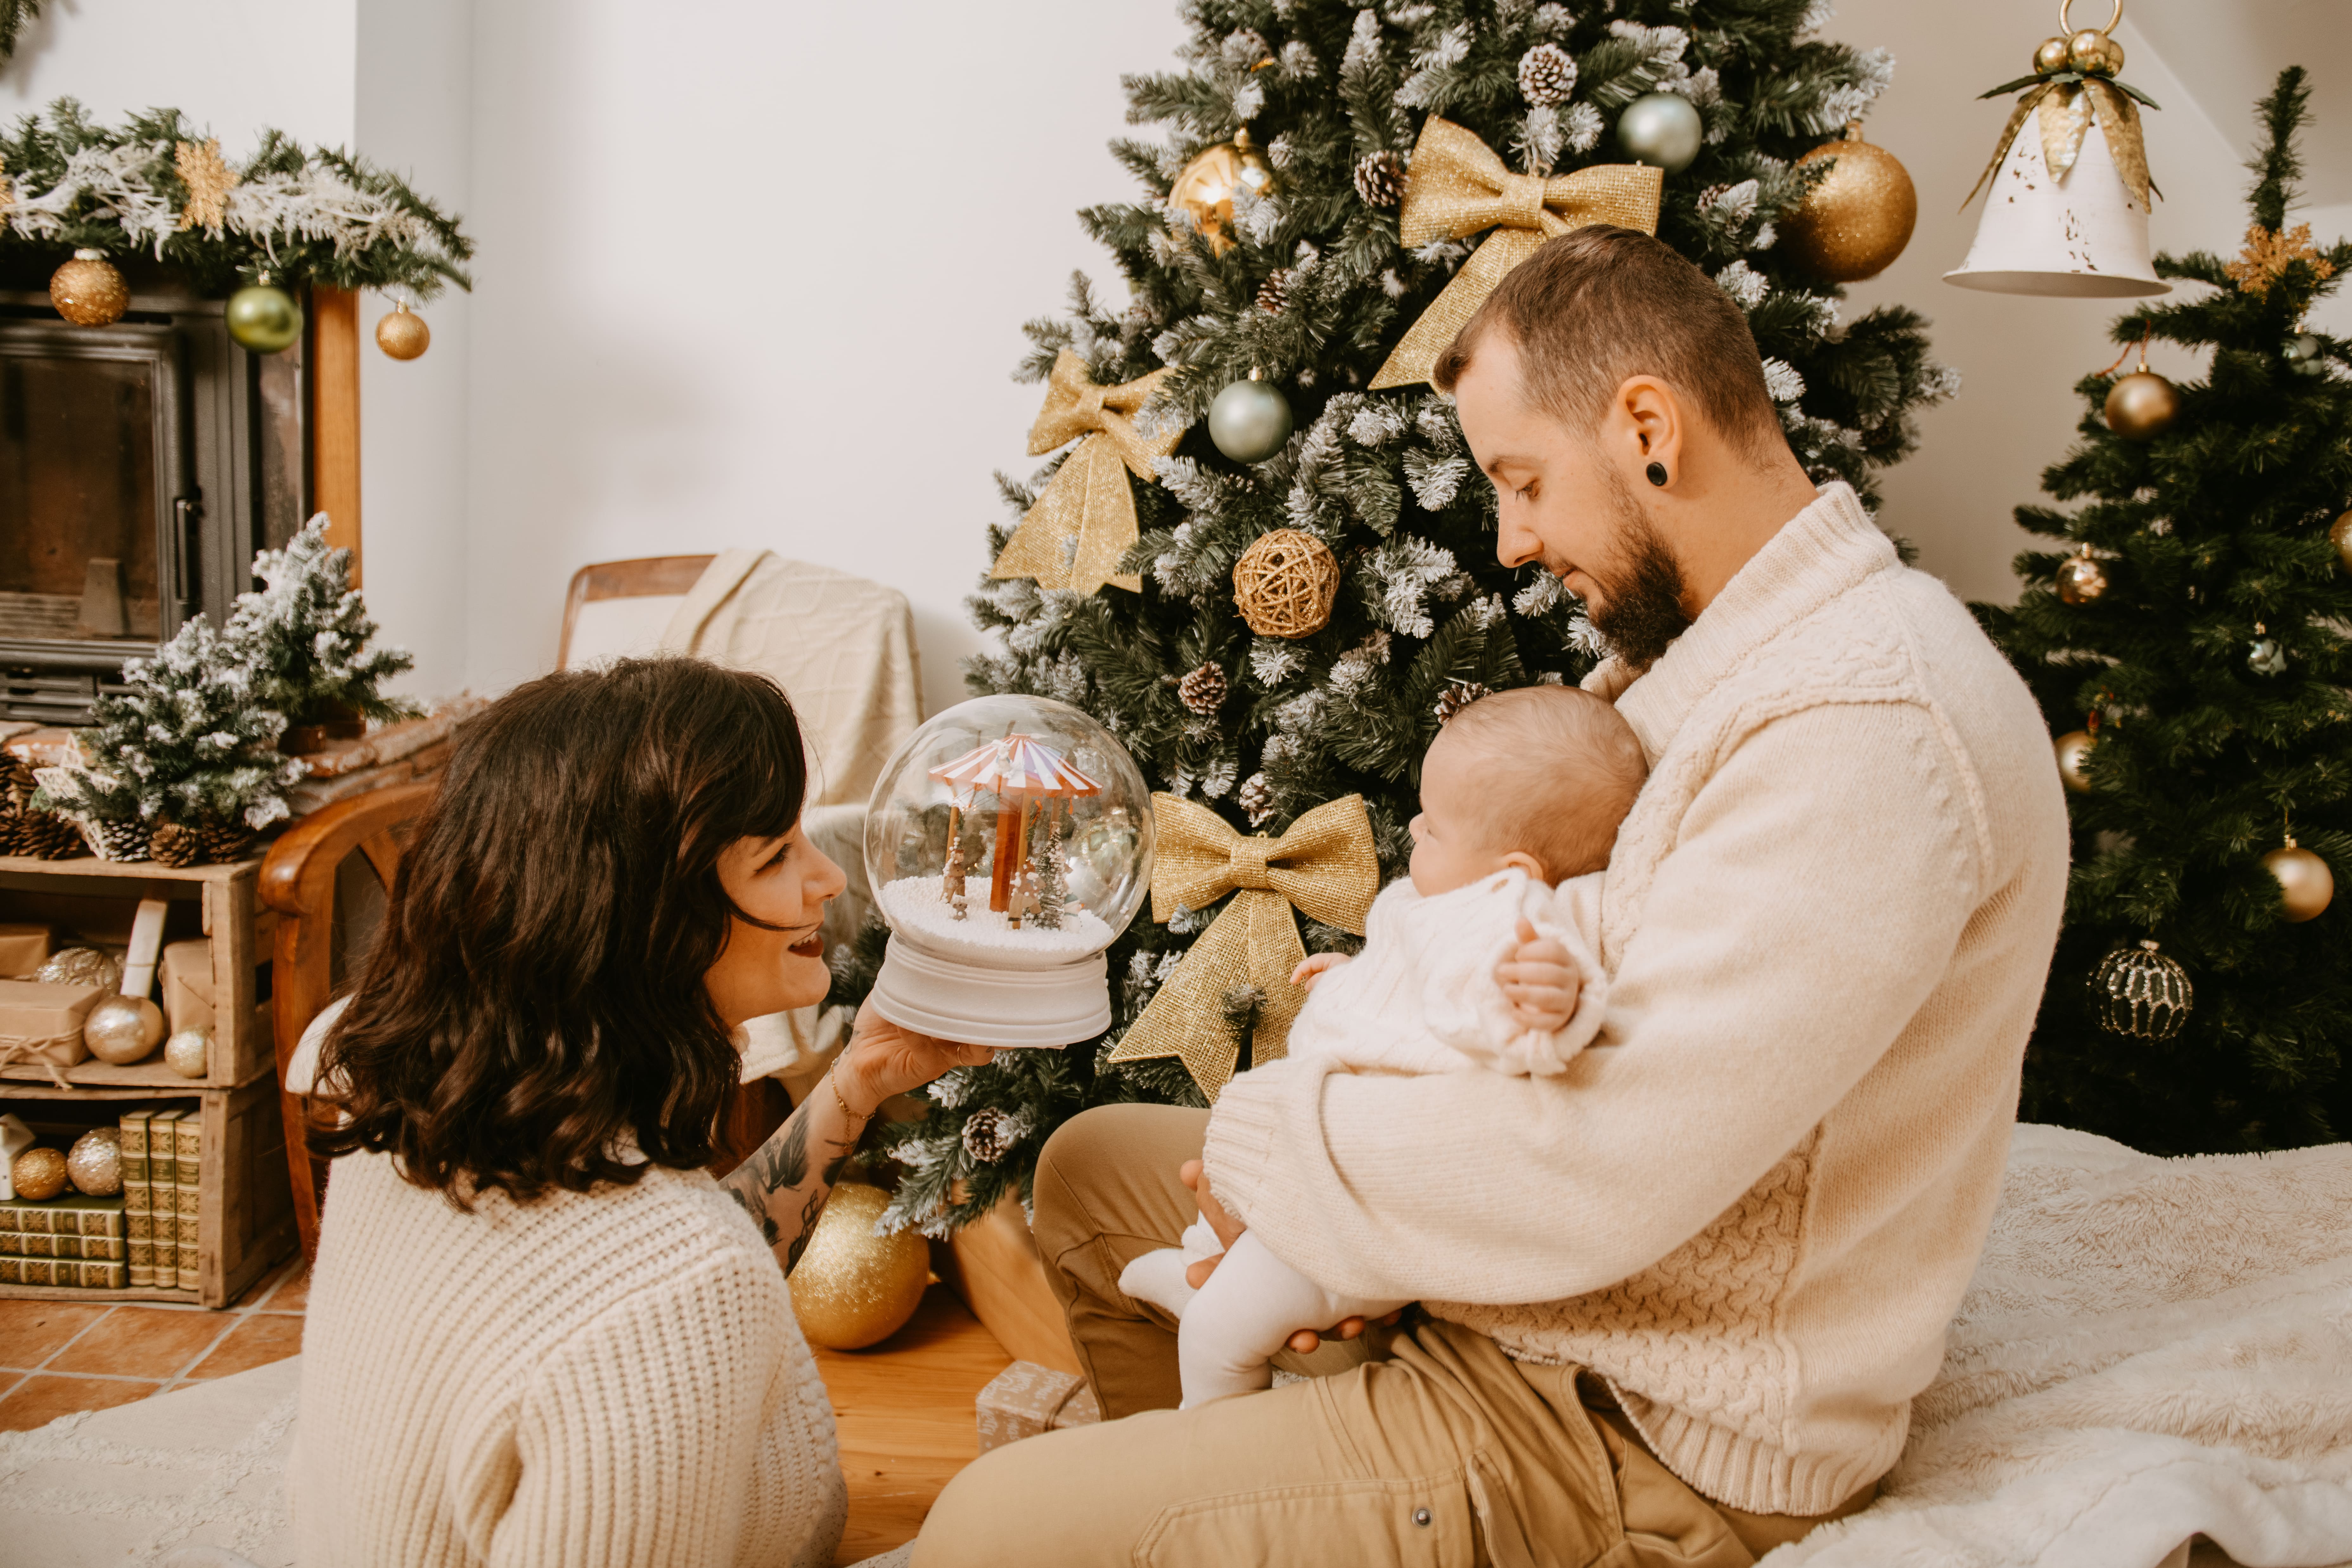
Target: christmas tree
(1385, 608)
(2189, 647)
(305, 637)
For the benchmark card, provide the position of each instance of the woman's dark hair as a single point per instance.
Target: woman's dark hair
(535, 999)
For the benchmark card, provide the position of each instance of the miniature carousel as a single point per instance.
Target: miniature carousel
(1009, 843)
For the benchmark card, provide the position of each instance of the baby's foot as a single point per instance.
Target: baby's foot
(1158, 1277)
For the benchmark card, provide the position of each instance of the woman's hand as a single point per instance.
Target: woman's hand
(1195, 1175)
(882, 1058)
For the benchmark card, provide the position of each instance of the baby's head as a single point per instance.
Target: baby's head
(1537, 778)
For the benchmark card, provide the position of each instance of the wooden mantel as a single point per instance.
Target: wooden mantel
(335, 416)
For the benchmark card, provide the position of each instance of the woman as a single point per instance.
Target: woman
(539, 1332)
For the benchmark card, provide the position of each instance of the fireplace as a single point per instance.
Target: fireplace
(141, 464)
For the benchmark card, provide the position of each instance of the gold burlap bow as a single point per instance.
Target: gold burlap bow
(2064, 121)
(1325, 865)
(1084, 521)
(1458, 187)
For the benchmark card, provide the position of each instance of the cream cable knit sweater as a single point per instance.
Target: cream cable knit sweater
(1754, 1203)
(597, 1378)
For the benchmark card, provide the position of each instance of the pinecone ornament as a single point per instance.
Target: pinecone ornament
(15, 798)
(988, 1135)
(1256, 798)
(224, 842)
(1546, 76)
(1457, 697)
(120, 840)
(1380, 179)
(45, 836)
(1275, 293)
(1203, 690)
(175, 845)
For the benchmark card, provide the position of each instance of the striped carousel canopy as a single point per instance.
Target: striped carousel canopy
(1015, 765)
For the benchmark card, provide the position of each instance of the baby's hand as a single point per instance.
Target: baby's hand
(1540, 981)
(1314, 964)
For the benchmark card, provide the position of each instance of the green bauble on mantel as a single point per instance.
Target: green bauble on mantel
(264, 318)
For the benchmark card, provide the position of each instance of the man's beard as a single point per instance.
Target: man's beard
(1641, 594)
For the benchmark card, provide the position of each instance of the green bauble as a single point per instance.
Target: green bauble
(1661, 128)
(1250, 420)
(264, 318)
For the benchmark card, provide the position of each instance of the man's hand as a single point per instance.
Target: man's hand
(1540, 981)
(1196, 1176)
(1313, 965)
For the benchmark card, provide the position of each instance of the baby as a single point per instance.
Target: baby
(1476, 960)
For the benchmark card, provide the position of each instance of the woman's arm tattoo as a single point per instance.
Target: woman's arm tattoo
(781, 1166)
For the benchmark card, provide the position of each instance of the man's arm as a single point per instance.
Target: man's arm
(1815, 895)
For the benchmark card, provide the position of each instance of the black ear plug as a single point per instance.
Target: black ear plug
(1657, 472)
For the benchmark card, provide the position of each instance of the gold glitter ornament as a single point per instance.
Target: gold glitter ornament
(1854, 223)
(2305, 884)
(2073, 750)
(209, 180)
(187, 1053)
(2140, 992)
(2340, 536)
(89, 291)
(1207, 185)
(80, 966)
(1083, 520)
(123, 1030)
(852, 1287)
(403, 333)
(40, 1174)
(2081, 579)
(1285, 582)
(94, 1164)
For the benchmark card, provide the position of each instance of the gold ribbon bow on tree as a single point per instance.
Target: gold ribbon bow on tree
(1325, 865)
(1084, 521)
(1457, 186)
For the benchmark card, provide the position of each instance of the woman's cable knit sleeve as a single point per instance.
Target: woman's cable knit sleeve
(1780, 956)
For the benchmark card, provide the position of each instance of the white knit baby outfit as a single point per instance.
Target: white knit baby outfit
(592, 1379)
(1421, 997)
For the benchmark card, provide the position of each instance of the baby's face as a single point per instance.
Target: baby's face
(1453, 839)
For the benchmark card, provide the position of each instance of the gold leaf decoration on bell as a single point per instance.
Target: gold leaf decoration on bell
(2138, 992)
(1206, 188)
(2082, 579)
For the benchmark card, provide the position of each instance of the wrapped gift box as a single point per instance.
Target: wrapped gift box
(187, 982)
(1025, 1399)
(40, 1021)
(23, 948)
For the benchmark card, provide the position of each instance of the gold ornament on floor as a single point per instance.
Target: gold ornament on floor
(2073, 750)
(209, 180)
(1458, 188)
(2082, 579)
(2305, 884)
(1854, 223)
(94, 1164)
(402, 334)
(1285, 582)
(1325, 865)
(89, 291)
(40, 1174)
(1207, 186)
(1084, 521)
(851, 1288)
(2340, 535)
(2140, 992)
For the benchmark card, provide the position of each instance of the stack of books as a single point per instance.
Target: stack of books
(163, 1159)
(72, 1240)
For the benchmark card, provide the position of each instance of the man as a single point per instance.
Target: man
(1679, 1298)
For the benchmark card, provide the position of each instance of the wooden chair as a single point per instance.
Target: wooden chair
(650, 578)
(301, 879)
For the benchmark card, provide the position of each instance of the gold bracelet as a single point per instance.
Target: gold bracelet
(838, 1100)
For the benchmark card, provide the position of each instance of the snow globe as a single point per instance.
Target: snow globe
(1008, 843)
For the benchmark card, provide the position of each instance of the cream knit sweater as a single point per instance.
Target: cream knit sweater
(1753, 1203)
(596, 1378)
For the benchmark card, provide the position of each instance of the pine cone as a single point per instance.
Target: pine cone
(175, 845)
(1380, 179)
(121, 840)
(1546, 76)
(1256, 798)
(988, 1135)
(1457, 697)
(1275, 293)
(225, 842)
(1203, 690)
(45, 836)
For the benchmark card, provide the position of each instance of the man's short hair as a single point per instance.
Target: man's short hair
(1597, 306)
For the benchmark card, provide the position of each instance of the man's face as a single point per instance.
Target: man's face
(1562, 503)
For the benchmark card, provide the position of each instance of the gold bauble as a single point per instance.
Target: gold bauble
(1858, 219)
(2305, 884)
(2081, 580)
(852, 1287)
(88, 290)
(2050, 55)
(2340, 536)
(40, 1174)
(403, 333)
(1206, 187)
(2094, 52)
(2073, 750)
(1285, 584)
(2141, 405)
(123, 1030)
(94, 1164)
(188, 1053)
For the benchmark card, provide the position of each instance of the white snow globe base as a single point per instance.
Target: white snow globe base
(953, 999)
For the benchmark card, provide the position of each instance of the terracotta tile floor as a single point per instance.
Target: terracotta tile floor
(58, 1357)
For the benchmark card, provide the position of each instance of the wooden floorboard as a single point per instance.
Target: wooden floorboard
(904, 1410)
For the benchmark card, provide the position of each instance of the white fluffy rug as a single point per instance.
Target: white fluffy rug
(2151, 1350)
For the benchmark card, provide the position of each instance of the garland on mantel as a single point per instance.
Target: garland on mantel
(293, 216)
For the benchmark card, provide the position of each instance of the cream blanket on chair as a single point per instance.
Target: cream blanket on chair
(2150, 1350)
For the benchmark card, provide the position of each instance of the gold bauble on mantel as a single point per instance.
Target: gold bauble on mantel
(403, 335)
(89, 291)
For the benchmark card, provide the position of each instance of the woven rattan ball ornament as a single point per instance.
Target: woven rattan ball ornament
(89, 291)
(40, 1174)
(2082, 579)
(2073, 750)
(1203, 690)
(1285, 582)
(1857, 221)
(94, 1164)
(2139, 992)
(1380, 179)
(403, 333)
(852, 1287)
(2307, 886)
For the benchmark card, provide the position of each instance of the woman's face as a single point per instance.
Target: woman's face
(786, 882)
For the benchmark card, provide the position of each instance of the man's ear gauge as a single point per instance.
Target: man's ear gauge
(1657, 472)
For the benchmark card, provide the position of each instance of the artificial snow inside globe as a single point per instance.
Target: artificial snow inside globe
(1008, 842)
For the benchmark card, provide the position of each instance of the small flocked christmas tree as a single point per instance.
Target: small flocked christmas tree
(305, 635)
(2189, 648)
(1387, 604)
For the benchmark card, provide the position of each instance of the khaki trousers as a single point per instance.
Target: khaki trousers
(1432, 1448)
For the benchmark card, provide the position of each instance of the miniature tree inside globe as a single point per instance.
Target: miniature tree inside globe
(1008, 843)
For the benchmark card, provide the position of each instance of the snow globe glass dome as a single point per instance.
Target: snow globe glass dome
(1008, 843)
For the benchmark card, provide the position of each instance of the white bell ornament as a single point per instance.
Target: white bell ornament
(2084, 236)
